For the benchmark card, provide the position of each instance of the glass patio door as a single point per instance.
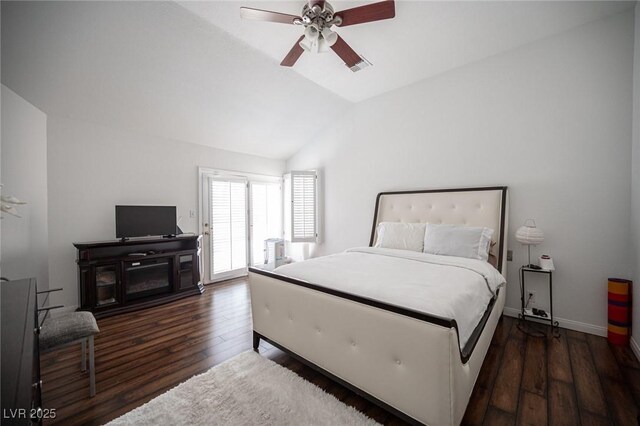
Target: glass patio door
(228, 228)
(266, 217)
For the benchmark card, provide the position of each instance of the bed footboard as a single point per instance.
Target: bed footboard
(404, 363)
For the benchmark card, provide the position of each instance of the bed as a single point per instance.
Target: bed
(416, 358)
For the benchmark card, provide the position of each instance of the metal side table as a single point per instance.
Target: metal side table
(528, 313)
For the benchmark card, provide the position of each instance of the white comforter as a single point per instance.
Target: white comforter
(450, 287)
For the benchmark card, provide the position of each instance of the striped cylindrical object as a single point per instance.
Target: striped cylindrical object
(619, 327)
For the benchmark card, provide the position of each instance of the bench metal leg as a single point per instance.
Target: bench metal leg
(92, 369)
(83, 365)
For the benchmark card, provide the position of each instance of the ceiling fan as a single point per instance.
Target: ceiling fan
(317, 18)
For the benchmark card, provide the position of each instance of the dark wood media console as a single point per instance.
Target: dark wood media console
(117, 276)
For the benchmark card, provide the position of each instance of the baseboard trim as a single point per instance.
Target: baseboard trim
(635, 348)
(567, 323)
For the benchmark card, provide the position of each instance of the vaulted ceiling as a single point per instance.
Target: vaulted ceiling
(194, 71)
(425, 38)
(157, 68)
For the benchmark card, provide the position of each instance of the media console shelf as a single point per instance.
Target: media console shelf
(118, 276)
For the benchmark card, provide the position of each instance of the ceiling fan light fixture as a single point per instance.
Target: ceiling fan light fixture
(309, 45)
(323, 46)
(330, 37)
(312, 33)
(317, 18)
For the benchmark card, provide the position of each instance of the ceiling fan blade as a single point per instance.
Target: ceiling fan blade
(346, 53)
(293, 55)
(367, 13)
(267, 15)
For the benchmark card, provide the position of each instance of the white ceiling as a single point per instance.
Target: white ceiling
(424, 39)
(156, 68)
(195, 72)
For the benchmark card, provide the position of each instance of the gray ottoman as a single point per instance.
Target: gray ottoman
(68, 328)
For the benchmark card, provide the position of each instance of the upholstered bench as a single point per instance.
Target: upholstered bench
(68, 328)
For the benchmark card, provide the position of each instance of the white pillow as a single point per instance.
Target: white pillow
(403, 236)
(461, 241)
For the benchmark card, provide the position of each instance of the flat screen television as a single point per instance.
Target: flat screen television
(143, 221)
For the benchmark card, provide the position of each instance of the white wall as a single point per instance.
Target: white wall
(552, 120)
(635, 181)
(93, 168)
(24, 175)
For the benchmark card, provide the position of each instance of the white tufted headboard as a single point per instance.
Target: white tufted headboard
(462, 206)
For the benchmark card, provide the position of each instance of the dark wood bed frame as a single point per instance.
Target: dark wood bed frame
(465, 353)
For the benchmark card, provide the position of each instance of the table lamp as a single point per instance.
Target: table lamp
(529, 235)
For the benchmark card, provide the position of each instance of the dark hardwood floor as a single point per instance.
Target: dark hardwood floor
(570, 380)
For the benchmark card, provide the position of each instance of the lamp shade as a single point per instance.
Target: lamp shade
(311, 37)
(308, 46)
(329, 36)
(529, 234)
(312, 33)
(323, 46)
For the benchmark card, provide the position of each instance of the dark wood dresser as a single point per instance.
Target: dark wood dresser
(20, 364)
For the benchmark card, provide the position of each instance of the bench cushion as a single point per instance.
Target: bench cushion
(67, 328)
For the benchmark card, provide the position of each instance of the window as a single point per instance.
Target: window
(301, 193)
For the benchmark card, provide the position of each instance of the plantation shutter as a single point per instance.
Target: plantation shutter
(303, 207)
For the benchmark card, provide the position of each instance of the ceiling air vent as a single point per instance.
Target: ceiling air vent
(361, 65)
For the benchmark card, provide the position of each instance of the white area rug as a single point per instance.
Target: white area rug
(245, 390)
